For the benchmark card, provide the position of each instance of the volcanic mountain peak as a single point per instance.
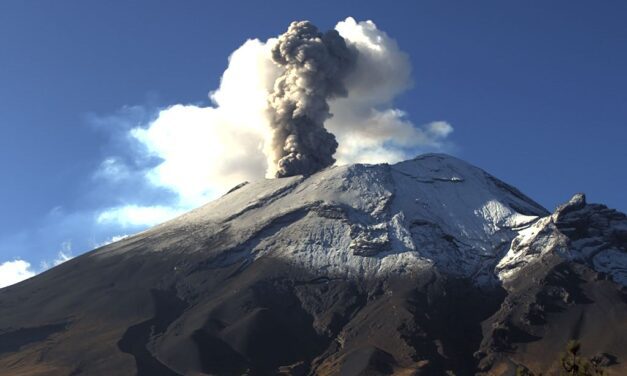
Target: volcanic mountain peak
(360, 220)
(428, 266)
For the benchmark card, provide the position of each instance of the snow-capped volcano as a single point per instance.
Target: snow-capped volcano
(429, 265)
(362, 220)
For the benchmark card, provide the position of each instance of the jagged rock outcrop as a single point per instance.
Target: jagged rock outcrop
(565, 276)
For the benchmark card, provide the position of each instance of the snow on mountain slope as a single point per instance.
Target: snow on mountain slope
(589, 233)
(361, 220)
(347, 271)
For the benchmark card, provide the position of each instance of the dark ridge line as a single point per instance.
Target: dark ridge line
(240, 185)
(14, 340)
(265, 200)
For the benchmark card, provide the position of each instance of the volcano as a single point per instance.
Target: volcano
(430, 266)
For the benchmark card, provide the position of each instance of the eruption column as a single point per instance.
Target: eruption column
(315, 65)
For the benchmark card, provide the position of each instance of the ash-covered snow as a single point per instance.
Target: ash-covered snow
(367, 220)
(362, 220)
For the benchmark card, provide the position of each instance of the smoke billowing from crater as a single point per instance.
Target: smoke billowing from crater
(315, 65)
(267, 115)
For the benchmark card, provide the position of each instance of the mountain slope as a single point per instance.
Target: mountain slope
(425, 266)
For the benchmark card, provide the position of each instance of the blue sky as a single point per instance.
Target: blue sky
(536, 93)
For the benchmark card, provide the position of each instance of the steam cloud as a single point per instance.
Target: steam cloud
(315, 65)
(266, 120)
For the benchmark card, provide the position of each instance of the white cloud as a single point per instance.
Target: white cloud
(204, 151)
(61, 258)
(133, 215)
(368, 127)
(113, 169)
(113, 239)
(63, 255)
(12, 272)
(383, 71)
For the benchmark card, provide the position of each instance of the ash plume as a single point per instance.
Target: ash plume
(315, 65)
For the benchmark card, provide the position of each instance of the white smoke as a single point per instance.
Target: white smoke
(207, 150)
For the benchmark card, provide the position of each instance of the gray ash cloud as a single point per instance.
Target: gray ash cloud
(315, 65)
